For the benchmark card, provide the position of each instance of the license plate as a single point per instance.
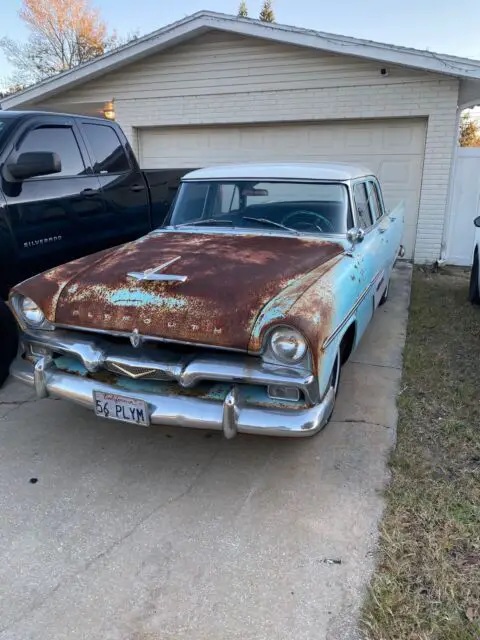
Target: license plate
(121, 408)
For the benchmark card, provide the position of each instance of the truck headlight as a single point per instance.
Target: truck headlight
(288, 345)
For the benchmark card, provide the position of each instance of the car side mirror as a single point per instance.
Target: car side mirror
(355, 235)
(35, 163)
(476, 222)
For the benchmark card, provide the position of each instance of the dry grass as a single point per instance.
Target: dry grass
(427, 584)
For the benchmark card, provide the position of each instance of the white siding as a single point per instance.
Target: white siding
(220, 78)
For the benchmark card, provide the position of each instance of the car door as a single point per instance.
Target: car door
(123, 185)
(368, 255)
(45, 212)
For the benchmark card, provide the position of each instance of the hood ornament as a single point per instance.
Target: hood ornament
(136, 339)
(153, 275)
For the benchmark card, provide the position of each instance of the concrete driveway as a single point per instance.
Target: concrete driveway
(113, 532)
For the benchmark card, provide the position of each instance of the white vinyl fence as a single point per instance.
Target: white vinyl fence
(464, 206)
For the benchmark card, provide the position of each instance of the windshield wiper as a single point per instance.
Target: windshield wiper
(202, 221)
(274, 224)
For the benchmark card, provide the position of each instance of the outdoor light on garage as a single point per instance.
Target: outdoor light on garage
(109, 110)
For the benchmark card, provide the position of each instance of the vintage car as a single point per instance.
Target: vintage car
(236, 315)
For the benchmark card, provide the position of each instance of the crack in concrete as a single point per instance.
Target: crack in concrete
(16, 404)
(114, 545)
(366, 422)
(374, 364)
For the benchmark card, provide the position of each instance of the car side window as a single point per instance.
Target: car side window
(109, 154)
(365, 217)
(60, 140)
(374, 200)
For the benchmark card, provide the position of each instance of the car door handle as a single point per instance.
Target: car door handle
(137, 187)
(88, 193)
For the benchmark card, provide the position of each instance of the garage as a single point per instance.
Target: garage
(213, 89)
(392, 149)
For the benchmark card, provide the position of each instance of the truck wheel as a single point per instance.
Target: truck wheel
(473, 292)
(8, 341)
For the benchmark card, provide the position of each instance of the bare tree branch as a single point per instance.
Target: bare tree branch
(63, 34)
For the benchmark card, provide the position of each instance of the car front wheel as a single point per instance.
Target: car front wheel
(474, 292)
(8, 341)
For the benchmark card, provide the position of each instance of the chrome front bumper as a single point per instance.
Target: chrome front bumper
(228, 408)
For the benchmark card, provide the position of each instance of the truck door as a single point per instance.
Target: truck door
(44, 212)
(123, 185)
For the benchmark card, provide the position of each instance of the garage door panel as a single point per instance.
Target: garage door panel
(393, 149)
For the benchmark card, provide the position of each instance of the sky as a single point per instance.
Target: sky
(443, 26)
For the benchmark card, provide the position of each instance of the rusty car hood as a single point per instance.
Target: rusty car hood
(229, 280)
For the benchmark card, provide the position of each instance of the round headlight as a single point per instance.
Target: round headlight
(288, 345)
(31, 312)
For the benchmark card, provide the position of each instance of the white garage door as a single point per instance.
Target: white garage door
(393, 149)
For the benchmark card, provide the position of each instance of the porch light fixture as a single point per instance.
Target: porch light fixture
(109, 111)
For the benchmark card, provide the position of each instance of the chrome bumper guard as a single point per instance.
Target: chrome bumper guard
(229, 413)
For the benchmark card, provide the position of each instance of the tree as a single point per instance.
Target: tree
(9, 89)
(266, 14)
(63, 34)
(243, 10)
(469, 132)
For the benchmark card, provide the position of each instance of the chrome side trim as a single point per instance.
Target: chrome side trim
(229, 415)
(349, 315)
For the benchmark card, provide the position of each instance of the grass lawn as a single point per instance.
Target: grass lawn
(427, 584)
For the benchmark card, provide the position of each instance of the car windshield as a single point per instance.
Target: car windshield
(292, 207)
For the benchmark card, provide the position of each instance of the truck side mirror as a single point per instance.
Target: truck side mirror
(355, 235)
(35, 163)
(476, 222)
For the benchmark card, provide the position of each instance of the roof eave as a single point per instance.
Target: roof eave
(196, 24)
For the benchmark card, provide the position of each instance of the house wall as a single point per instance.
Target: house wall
(225, 78)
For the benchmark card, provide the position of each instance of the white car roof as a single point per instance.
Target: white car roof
(336, 171)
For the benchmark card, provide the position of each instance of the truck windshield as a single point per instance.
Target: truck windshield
(314, 207)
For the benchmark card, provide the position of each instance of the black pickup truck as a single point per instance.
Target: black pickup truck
(70, 186)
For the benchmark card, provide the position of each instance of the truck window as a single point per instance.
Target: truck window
(109, 154)
(59, 140)
(365, 216)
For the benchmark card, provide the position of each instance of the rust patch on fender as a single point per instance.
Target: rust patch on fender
(310, 310)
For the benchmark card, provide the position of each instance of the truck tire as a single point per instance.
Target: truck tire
(8, 341)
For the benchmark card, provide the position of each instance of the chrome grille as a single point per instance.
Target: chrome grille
(138, 373)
